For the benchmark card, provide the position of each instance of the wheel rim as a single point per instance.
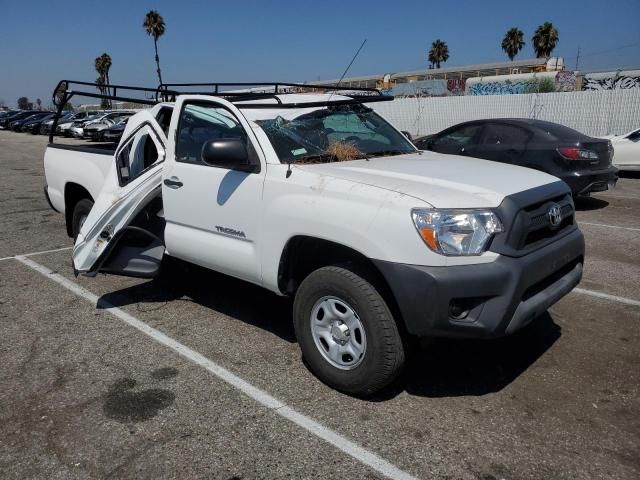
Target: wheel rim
(338, 333)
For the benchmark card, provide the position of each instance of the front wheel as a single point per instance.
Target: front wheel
(346, 332)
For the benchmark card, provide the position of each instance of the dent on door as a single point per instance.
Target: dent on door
(123, 234)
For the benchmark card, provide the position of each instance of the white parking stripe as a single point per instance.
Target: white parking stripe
(340, 442)
(36, 253)
(606, 296)
(608, 226)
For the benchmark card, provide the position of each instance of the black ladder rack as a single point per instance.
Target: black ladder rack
(248, 91)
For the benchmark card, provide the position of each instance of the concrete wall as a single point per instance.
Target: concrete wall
(591, 112)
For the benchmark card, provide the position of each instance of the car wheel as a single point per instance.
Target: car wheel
(80, 214)
(346, 332)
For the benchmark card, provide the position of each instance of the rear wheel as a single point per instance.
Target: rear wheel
(80, 214)
(346, 332)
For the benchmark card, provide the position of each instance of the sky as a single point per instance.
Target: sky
(206, 41)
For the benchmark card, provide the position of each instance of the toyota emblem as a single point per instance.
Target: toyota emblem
(555, 215)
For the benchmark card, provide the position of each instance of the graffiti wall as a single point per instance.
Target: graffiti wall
(564, 81)
(621, 80)
(429, 88)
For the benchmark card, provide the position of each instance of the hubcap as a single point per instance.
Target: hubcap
(338, 333)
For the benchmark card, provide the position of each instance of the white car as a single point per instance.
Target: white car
(317, 197)
(626, 150)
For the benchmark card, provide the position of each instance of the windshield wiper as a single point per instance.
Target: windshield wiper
(314, 158)
(383, 153)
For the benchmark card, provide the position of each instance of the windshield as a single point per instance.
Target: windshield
(331, 134)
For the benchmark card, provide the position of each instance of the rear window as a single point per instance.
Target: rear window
(557, 132)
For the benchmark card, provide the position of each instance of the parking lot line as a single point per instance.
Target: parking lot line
(608, 226)
(606, 296)
(36, 253)
(340, 442)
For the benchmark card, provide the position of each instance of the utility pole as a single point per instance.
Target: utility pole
(577, 59)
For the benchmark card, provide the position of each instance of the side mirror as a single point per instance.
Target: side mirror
(226, 153)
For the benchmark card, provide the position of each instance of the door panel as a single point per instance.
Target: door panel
(627, 152)
(130, 185)
(503, 143)
(213, 214)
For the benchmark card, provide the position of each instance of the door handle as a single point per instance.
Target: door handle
(173, 182)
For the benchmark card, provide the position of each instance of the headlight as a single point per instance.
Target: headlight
(456, 232)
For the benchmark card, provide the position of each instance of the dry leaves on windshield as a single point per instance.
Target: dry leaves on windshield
(344, 151)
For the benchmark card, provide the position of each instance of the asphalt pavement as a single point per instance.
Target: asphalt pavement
(198, 375)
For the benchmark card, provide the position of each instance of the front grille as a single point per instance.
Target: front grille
(527, 220)
(536, 225)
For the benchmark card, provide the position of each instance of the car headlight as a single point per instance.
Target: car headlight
(456, 232)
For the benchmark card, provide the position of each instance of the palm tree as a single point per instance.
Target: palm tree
(106, 66)
(513, 42)
(104, 103)
(39, 103)
(439, 53)
(154, 26)
(103, 65)
(545, 40)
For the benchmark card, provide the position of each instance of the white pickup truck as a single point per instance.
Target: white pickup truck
(315, 196)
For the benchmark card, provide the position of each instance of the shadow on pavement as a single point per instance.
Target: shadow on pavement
(477, 367)
(443, 368)
(585, 204)
(629, 173)
(184, 282)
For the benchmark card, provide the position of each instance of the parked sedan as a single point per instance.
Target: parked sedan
(6, 113)
(583, 162)
(6, 121)
(95, 129)
(17, 125)
(77, 127)
(45, 127)
(114, 133)
(626, 150)
(34, 124)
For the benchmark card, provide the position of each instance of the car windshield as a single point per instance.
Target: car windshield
(330, 134)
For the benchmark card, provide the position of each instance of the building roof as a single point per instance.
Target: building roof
(490, 68)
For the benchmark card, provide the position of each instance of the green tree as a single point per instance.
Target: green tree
(439, 53)
(154, 26)
(23, 103)
(545, 39)
(543, 85)
(513, 42)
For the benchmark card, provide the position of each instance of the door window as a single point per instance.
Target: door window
(139, 153)
(499, 134)
(458, 138)
(200, 123)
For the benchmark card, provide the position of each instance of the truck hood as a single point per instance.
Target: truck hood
(443, 181)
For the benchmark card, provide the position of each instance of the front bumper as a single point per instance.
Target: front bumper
(499, 297)
(582, 183)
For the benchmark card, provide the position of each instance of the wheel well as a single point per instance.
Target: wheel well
(73, 193)
(302, 255)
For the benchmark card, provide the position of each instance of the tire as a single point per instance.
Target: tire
(380, 341)
(80, 213)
